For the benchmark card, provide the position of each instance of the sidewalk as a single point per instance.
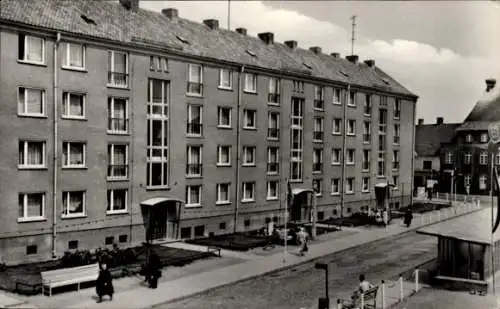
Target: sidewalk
(187, 286)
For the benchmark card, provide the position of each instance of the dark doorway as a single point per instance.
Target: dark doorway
(299, 206)
(158, 221)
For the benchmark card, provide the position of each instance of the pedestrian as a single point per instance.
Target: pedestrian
(153, 270)
(408, 218)
(104, 283)
(302, 238)
(364, 285)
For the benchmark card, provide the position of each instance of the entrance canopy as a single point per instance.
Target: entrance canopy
(297, 191)
(159, 200)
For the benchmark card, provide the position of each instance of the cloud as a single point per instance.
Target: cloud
(448, 83)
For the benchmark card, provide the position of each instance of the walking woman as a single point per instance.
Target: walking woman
(104, 283)
(153, 270)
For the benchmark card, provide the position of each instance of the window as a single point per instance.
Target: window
(249, 119)
(367, 132)
(158, 63)
(248, 192)
(123, 238)
(273, 131)
(296, 139)
(109, 240)
(224, 155)
(73, 244)
(351, 127)
(31, 49)
(248, 156)
(225, 79)
(73, 204)
(223, 193)
(428, 165)
(117, 115)
(467, 158)
(336, 156)
(367, 109)
(351, 156)
(31, 154)
(118, 69)
(448, 158)
(193, 195)
(31, 206)
(318, 186)
(383, 101)
(31, 102)
(247, 222)
(117, 161)
(395, 182)
(272, 160)
(73, 56)
(274, 91)
(186, 232)
(337, 95)
(483, 158)
(381, 164)
(482, 182)
(468, 138)
(335, 186)
(272, 190)
(497, 158)
(117, 201)
(397, 133)
(395, 159)
(366, 160)
(194, 120)
(318, 97)
(352, 98)
(73, 105)
(318, 129)
(195, 80)
(73, 154)
(467, 180)
(31, 249)
(337, 126)
(382, 121)
(366, 184)
(484, 137)
(298, 86)
(224, 117)
(250, 83)
(349, 186)
(194, 167)
(397, 108)
(317, 160)
(222, 226)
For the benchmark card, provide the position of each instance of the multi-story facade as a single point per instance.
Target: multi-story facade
(116, 121)
(468, 156)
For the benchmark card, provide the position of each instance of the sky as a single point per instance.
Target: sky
(443, 51)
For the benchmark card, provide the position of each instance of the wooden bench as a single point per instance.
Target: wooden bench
(369, 300)
(67, 276)
(214, 249)
(473, 285)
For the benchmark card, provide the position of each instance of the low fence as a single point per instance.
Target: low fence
(456, 197)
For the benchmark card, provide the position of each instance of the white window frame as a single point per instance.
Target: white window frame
(320, 187)
(320, 97)
(349, 101)
(467, 180)
(246, 115)
(278, 86)
(66, 150)
(351, 154)
(191, 66)
(349, 183)
(113, 131)
(219, 155)
(272, 197)
(365, 182)
(468, 158)
(190, 203)
(483, 158)
(67, 51)
(221, 80)
(339, 131)
(25, 155)
(244, 198)
(158, 63)
(397, 108)
(219, 201)
(337, 100)
(395, 158)
(25, 217)
(68, 199)
(250, 77)
(253, 150)
(318, 159)
(468, 138)
(111, 160)
(269, 156)
(111, 210)
(25, 106)
(24, 60)
(66, 102)
(270, 116)
(367, 131)
(220, 109)
(484, 137)
(395, 182)
(335, 182)
(336, 152)
(351, 127)
(190, 118)
(448, 157)
(112, 83)
(483, 182)
(190, 160)
(397, 133)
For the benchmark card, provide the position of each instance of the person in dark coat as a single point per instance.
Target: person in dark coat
(104, 283)
(408, 218)
(153, 270)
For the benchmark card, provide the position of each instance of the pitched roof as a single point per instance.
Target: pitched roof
(486, 111)
(115, 23)
(429, 137)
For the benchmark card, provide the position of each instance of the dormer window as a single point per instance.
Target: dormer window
(468, 138)
(484, 137)
(251, 53)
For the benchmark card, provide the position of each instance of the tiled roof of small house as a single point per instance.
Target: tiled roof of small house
(112, 21)
(429, 137)
(486, 111)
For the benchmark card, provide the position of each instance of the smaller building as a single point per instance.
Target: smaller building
(429, 139)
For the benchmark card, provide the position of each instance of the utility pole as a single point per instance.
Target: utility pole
(353, 36)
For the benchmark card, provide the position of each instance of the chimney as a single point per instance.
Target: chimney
(335, 55)
(267, 37)
(170, 13)
(241, 31)
(352, 58)
(439, 120)
(370, 63)
(212, 23)
(131, 5)
(420, 121)
(315, 49)
(490, 84)
(291, 44)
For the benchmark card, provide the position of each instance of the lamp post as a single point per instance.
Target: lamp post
(323, 303)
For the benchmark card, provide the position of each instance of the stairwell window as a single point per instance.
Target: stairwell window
(31, 102)
(73, 105)
(250, 83)
(31, 207)
(195, 80)
(31, 155)
(73, 204)
(74, 154)
(117, 201)
(117, 69)
(73, 56)
(31, 49)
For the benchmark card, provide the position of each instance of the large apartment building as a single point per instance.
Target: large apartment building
(117, 120)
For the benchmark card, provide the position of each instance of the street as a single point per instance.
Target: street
(302, 285)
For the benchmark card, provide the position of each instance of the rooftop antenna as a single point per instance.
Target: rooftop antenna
(353, 37)
(228, 14)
